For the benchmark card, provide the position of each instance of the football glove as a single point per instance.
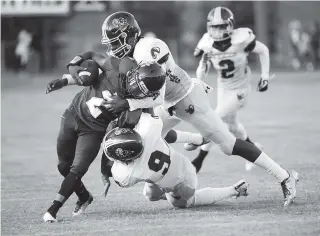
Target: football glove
(74, 72)
(56, 84)
(263, 85)
(264, 82)
(116, 104)
(74, 69)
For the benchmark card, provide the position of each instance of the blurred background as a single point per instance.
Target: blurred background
(42, 36)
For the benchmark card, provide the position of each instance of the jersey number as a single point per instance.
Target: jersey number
(94, 102)
(227, 72)
(158, 160)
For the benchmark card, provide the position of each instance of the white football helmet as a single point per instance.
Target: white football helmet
(220, 23)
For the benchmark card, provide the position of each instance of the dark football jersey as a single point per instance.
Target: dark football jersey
(87, 101)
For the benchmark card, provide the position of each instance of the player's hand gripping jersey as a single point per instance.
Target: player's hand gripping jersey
(158, 163)
(230, 61)
(178, 83)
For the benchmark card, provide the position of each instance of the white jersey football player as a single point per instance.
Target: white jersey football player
(184, 98)
(142, 155)
(227, 50)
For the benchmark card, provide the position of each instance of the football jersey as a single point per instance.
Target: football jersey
(156, 164)
(87, 101)
(231, 63)
(178, 83)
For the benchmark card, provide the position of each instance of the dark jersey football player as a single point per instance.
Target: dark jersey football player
(84, 123)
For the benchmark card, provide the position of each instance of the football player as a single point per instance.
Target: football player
(227, 50)
(84, 124)
(180, 95)
(140, 154)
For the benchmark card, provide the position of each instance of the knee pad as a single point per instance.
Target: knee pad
(171, 136)
(152, 192)
(64, 169)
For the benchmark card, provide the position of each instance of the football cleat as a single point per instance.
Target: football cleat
(191, 146)
(249, 165)
(47, 217)
(242, 188)
(289, 188)
(82, 206)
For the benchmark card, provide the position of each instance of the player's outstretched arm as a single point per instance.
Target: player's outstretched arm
(263, 52)
(60, 83)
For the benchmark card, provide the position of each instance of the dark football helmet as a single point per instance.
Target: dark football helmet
(120, 32)
(144, 81)
(220, 23)
(122, 144)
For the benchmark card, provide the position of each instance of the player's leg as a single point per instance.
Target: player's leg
(186, 195)
(169, 121)
(207, 122)
(66, 145)
(87, 148)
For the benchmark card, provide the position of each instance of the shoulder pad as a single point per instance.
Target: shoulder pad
(242, 36)
(205, 43)
(150, 49)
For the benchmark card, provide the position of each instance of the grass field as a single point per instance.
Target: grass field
(285, 120)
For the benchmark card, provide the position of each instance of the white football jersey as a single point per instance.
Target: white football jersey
(155, 165)
(178, 83)
(231, 64)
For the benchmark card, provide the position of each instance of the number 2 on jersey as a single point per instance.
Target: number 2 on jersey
(158, 160)
(227, 72)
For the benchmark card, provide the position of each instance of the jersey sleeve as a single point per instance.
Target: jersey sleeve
(245, 38)
(123, 174)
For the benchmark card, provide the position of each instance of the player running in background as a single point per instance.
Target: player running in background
(84, 124)
(227, 50)
(140, 154)
(186, 99)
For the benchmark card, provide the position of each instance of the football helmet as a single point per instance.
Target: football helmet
(220, 23)
(122, 144)
(120, 32)
(144, 81)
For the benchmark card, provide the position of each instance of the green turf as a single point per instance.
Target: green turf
(285, 120)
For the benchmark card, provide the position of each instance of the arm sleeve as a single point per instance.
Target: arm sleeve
(147, 102)
(263, 52)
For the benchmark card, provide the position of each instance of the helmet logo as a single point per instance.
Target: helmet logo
(154, 52)
(120, 22)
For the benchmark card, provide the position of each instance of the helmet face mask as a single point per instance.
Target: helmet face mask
(136, 83)
(220, 23)
(120, 33)
(219, 32)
